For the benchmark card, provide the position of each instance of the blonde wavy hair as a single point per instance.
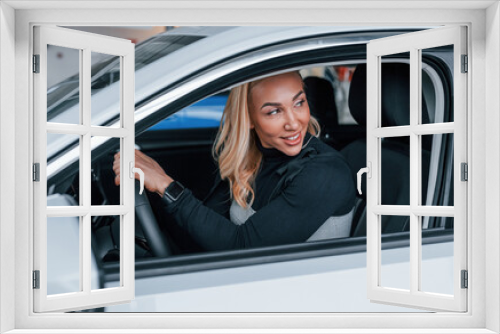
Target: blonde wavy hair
(235, 148)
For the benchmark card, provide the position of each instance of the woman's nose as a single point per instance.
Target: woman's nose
(291, 121)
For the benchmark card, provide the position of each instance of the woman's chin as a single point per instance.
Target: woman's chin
(292, 150)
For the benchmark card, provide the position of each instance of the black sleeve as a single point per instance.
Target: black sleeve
(319, 191)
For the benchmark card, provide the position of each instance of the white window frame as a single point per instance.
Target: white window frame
(484, 102)
(85, 43)
(414, 43)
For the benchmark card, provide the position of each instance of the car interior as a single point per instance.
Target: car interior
(186, 155)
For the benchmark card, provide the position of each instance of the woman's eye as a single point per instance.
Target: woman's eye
(299, 103)
(273, 112)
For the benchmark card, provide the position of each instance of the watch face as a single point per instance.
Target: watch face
(174, 190)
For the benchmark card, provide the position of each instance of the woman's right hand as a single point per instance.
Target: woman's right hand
(155, 178)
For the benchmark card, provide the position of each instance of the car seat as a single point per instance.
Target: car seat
(321, 100)
(395, 162)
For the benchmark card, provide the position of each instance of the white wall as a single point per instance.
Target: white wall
(7, 159)
(492, 170)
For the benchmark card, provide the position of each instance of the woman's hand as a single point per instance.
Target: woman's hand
(155, 178)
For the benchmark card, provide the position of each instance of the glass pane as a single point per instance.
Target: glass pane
(395, 91)
(437, 87)
(206, 113)
(437, 256)
(63, 255)
(106, 88)
(56, 144)
(104, 190)
(395, 255)
(395, 171)
(437, 169)
(63, 85)
(106, 237)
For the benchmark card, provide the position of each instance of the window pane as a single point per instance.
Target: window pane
(106, 241)
(395, 171)
(395, 91)
(437, 86)
(395, 254)
(104, 190)
(437, 257)
(206, 113)
(105, 89)
(63, 85)
(437, 169)
(63, 255)
(57, 143)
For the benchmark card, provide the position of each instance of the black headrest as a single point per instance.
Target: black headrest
(395, 95)
(321, 100)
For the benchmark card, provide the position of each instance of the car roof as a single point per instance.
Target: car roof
(222, 43)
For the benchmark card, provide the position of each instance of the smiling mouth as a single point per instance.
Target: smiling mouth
(294, 137)
(293, 140)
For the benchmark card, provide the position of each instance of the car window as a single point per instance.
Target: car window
(63, 95)
(206, 113)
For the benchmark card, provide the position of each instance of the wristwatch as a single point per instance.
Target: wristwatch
(173, 192)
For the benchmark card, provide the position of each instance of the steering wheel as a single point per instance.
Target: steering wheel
(146, 219)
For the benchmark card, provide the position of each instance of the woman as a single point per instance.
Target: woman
(277, 183)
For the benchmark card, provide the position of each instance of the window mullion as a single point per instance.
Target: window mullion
(420, 210)
(76, 129)
(392, 210)
(418, 129)
(434, 129)
(62, 128)
(414, 169)
(127, 196)
(85, 186)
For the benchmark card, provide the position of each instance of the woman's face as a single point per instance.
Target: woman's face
(279, 112)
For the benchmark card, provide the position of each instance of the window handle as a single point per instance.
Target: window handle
(139, 171)
(368, 171)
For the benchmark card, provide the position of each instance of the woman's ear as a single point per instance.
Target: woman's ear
(252, 126)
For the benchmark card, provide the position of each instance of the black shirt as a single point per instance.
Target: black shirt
(294, 196)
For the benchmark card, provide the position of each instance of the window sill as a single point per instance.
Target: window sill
(256, 331)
